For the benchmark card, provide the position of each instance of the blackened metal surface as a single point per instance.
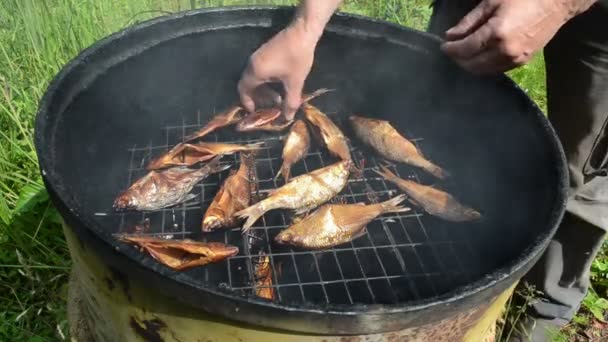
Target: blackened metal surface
(401, 258)
(501, 151)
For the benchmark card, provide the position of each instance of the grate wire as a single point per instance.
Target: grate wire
(349, 268)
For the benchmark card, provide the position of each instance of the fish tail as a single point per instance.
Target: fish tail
(215, 166)
(252, 214)
(248, 158)
(254, 147)
(436, 171)
(386, 173)
(285, 171)
(393, 205)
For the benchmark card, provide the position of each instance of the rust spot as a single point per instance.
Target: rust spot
(392, 337)
(350, 339)
(149, 330)
(122, 279)
(109, 283)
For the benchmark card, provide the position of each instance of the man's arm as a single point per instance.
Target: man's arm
(313, 15)
(286, 58)
(499, 35)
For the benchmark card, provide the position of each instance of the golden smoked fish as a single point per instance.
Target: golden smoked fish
(332, 136)
(302, 193)
(229, 117)
(296, 147)
(335, 224)
(190, 154)
(263, 277)
(386, 140)
(234, 195)
(181, 254)
(164, 188)
(264, 118)
(433, 201)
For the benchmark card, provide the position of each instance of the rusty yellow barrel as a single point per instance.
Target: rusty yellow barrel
(106, 305)
(412, 276)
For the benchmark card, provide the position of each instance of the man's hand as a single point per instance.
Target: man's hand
(286, 58)
(499, 35)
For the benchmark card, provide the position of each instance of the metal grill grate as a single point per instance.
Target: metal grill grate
(400, 258)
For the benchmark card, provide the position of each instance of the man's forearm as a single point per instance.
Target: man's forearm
(313, 15)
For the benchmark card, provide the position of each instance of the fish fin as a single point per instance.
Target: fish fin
(302, 211)
(215, 166)
(198, 134)
(414, 202)
(386, 173)
(285, 171)
(316, 93)
(189, 197)
(248, 158)
(255, 146)
(393, 205)
(359, 233)
(437, 171)
(251, 214)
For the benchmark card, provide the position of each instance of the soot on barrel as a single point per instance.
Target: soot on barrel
(490, 139)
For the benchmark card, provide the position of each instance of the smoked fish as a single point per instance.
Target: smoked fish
(181, 254)
(264, 118)
(302, 193)
(229, 117)
(234, 195)
(332, 136)
(386, 140)
(190, 154)
(334, 224)
(434, 201)
(164, 188)
(296, 147)
(263, 277)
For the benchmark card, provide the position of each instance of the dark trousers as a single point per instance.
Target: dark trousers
(577, 92)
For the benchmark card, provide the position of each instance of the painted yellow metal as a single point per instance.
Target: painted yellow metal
(484, 329)
(104, 307)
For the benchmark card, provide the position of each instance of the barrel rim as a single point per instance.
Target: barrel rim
(486, 286)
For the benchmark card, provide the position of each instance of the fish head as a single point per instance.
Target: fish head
(360, 122)
(312, 113)
(220, 251)
(212, 222)
(299, 126)
(472, 214)
(234, 113)
(125, 201)
(284, 237)
(344, 166)
(259, 118)
(355, 119)
(287, 237)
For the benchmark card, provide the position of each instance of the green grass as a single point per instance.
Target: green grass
(37, 37)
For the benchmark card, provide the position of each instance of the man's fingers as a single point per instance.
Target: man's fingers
(293, 98)
(470, 46)
(491, 61)
(265, 96)
(246, 89)
(247, 103)
(472, 21)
